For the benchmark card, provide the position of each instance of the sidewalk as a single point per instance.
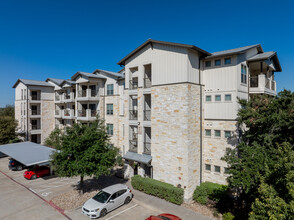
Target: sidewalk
(162, 206)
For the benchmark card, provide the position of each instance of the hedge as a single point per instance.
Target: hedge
(208, 190)
(159, 189)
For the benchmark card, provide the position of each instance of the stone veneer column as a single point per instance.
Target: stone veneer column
(175, 120)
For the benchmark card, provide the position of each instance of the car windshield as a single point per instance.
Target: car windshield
(101, 197)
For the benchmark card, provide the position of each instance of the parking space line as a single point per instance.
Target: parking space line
(122, 211)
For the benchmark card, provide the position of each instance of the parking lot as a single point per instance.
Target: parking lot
(50, 186)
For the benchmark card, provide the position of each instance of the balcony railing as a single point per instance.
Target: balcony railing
(254, 81)
(133, 145)
(133, 114)
(35, 112)
(93, 113)
(66, 96)
(57, 112)
(262, 82)
(147, 148)
(82, 93)
(67, 112)
(94, 93)
(133, 84)
(36, 127)
(57, 98)
(147, 115)
(35, 97)
(82, 113)
(147, 82)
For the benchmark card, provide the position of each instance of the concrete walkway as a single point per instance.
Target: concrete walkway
(162, 206)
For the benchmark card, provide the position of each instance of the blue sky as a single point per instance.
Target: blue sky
(50, 38)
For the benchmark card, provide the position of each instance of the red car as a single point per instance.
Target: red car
(164, 216)
(36, 172)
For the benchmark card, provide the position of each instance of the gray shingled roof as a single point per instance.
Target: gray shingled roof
(89, 75)
(118, 75)
(69, 82)
(234, 51)
(262, 56)
(30, 82)
(57, 81)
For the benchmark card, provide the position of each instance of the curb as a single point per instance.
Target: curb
(57, 208)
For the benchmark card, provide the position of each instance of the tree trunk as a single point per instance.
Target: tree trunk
(82, 185)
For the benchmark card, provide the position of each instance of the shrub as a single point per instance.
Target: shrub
(228, 216)
(159, 189)
(208, 190)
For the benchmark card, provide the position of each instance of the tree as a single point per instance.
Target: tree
(7, 111)
(265, 123)
(7, 130)
(54, 139)
(84, 151)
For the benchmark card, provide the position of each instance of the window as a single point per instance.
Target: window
(218, 98)
(208, 167)
(217, 62)
(207, 132)
(227, 134)
(110, 109)
(208, 64)
(109, 129)
(227, 61)
(110, 89)
(25, 94)
(208, 98)
(217, 133)
(22, 94)
(226, 170)
(217, 169)
(243, 74)
(228, 97)
(119, 193)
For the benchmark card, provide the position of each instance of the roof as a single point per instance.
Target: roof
(89, 75)
(142, 158)
(270, 55)
(30, 82)
(28, 153)
(150, 41)
(235, 51)
(56, 81)
(117, 75)
(114, 188)
(68, 81)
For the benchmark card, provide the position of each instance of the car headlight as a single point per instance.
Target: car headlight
(95, 210)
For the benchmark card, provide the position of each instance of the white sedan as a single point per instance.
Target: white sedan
(106, 200)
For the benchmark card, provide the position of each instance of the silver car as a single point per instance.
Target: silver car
(106, 200)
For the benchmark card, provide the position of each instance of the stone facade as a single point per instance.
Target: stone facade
(176, 138)
(47, 119)
(214, 148)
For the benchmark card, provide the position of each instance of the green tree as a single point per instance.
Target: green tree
(7, 130)
(7, 111)
(84, 151)
(264, 123)
(54, 139)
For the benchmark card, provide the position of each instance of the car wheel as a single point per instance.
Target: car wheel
(127, 200)
(33, 177)
(19, 168)
(103, 213)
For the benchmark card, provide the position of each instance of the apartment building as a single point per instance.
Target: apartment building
(34, 102)
(183, 104)
(171, 111)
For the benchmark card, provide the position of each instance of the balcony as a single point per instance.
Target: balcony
(58, 98)
(58, 113)
(147, 148)
(87, 115)
(35, 113)
(133, 145)
(88, 94)
(68, 97)
(262, 85)
(35, 128)
(133, 115)
(133, 84)
(147, 115)
(147, 82)
(68, 114)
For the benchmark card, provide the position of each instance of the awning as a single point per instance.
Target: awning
(28, 153)
(141, 158)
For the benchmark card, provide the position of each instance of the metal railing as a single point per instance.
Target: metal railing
(35, 97)
(147, 82)
(36, 127)
(133, 145)
(253, 81)
(94, 93)
(82, 113)
(66, 96)
(147, 115)
(133, 114)
(82, 93)
(35, 112)
(133, 84)
(147, 148)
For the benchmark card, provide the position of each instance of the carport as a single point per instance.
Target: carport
(28, 153)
